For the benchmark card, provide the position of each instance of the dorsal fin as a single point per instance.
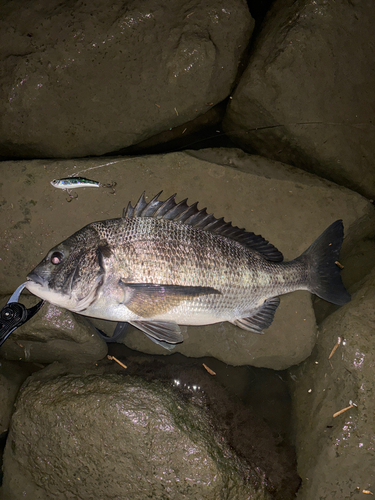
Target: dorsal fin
(190, 215)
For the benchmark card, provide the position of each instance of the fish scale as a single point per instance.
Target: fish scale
(159, 248)
(165, 264)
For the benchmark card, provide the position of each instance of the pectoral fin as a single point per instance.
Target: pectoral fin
(261, 318)
(164, 333)
(148, 299)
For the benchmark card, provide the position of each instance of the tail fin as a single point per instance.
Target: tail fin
(321, 257)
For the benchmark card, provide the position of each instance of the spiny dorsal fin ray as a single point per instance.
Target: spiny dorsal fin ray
(190, 215)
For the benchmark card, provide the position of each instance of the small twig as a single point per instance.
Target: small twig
(117, 361)
(211, 372)
(342, 411)
(335, 347)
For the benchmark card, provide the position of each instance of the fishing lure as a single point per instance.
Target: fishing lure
(69, 183)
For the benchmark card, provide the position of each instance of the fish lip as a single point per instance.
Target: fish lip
(35, 278)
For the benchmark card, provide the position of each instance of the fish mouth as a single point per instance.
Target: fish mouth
(35, 278)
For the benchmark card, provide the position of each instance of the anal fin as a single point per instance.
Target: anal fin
(261, 318)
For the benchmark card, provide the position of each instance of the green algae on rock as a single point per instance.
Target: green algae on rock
(109, 436)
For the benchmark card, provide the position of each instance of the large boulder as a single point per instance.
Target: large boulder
(335, 450)
(86, 79)
(12, 376)
(96, 435)
(307, 96)
(287, 206)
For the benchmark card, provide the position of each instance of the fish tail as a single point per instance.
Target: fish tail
(321, 258)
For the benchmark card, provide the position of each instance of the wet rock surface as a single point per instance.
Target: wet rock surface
(336, 451)
(253, 192)
(12, 376)
(80, 79)
(53, 334)
(248, 407)
(306, 97)
(77, 84)
(95, 435)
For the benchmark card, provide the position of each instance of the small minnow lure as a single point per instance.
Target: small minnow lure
(69, 183)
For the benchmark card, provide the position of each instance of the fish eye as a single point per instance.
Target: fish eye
(57, 258)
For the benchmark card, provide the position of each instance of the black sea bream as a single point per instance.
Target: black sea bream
(165, 264)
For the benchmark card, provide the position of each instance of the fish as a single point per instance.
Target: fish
(165, 264)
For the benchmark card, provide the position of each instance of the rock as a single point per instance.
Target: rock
(185, 136)
(53, 334)
(258, 430)
(105, 435)
(306, 97)
(288, 207)
(76, 84)
(336, 454)
(12, 376)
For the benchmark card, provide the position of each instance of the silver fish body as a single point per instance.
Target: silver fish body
(165, 264)
(74, 183)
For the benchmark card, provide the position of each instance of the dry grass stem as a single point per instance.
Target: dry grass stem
(211, 372)
(117, 361)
